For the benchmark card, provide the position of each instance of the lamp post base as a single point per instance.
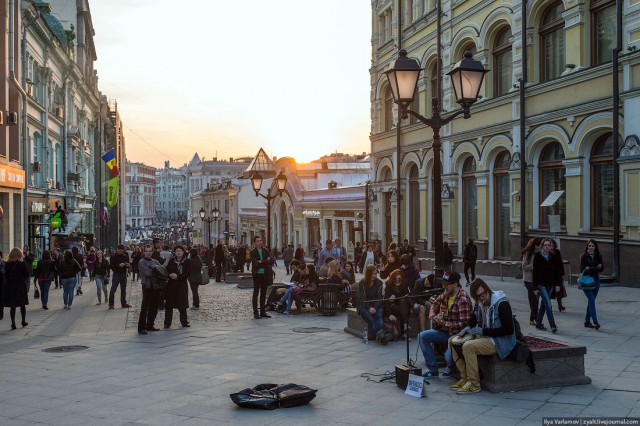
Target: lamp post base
(438, 271)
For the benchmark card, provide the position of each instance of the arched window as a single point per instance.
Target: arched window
(551, 178)
(388, 109)
(601, 162)
(552, 43)
(503, 63)
(603, 33)
(414, 204)
(469, 200)
(502, 204)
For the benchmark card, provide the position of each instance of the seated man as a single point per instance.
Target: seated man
(324, 269)
(492, 322)
(449, 313)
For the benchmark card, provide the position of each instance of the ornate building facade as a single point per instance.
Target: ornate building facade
(568, 127)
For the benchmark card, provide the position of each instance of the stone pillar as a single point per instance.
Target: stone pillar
(575, 51)
(484, 205)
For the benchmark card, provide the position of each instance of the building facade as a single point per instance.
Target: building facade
(568, 127)
(140, 193)
(172, 195)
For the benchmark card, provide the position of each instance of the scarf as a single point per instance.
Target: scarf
(179, 264)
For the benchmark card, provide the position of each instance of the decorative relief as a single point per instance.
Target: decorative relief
(573, 167)
(515, 162)
(631, 147)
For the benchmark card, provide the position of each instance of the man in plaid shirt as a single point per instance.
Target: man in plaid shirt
(450, 313)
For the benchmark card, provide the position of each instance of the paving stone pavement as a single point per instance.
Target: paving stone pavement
(185, 376)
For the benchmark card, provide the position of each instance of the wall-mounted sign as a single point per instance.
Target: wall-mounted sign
(38, 207)
(344, 213)
(11, 177)
(311, 213)
(87, 206)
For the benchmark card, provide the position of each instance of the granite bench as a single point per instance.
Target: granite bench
(245, 281)
(556, 364)
(233, 277)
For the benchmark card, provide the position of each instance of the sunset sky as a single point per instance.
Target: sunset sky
(228, 77)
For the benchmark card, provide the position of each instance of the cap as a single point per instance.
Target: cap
(451, 277)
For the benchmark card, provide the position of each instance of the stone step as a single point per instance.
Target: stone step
(245, 281)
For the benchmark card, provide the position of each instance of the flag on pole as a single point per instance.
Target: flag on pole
(112, 163)
(104, 214)
(112, 191)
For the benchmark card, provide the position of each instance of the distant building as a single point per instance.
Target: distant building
(140, 190)
(171, 194)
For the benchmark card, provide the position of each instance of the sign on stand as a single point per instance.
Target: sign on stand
(414, 386)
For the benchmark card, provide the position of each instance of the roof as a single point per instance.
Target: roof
(261, 164)
(56, 28)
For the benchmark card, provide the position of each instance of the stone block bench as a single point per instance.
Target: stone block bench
(245, 281)
(356, 325)
(233, 277)
(556, 364)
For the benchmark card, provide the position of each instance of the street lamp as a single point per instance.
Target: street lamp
(466, 78)
(256, 183)
(215, 214)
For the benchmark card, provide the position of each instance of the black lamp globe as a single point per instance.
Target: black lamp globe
(281, 179)
(466, 78)
(202, 213)
(256, 182)
(403, 78)
(215, 213)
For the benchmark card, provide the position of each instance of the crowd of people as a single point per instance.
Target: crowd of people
(463, 324)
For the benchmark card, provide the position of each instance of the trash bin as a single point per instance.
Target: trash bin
(329, 300)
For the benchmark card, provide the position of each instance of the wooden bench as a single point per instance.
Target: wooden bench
(562, 365)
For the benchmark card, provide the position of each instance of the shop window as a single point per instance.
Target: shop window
(551, 178)
(601, 162)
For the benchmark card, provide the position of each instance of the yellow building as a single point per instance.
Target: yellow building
(568, 127)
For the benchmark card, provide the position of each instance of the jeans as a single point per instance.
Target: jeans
(375, 322)
(425, 339)
(68, 288)
(44, 292)
(101, 287)
(545, 305)
(591, 303)
(472, 266)
(118, 279)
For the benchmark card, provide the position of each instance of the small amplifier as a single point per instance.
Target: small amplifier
(402, 374)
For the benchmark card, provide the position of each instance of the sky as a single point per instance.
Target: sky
(225, 78)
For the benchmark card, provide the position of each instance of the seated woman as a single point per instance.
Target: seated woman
(393, 263)
(276, 291)
(421, 305)
(307, 282)
(370, 302)
(396, 311)
(349, 274)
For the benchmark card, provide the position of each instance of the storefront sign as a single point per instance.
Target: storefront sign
(38, 207)
(311, 213)
(344, 213)
(11, 177)
(86, 206)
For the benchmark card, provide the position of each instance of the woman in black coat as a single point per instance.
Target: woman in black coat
(195, 276)
(545, 281)
(45, 273)
(15, 286)
(176, 291)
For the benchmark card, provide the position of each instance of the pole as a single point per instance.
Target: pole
(616, 143)
(398, 139)
(367, 207)
(523, 138)
(436, 194)
(269, 220)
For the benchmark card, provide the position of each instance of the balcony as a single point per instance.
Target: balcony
(75, 177)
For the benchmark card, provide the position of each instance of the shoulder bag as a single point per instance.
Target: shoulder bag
(585, 282)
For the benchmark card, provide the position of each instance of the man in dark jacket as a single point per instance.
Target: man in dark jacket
(219, 259)
(150, 288)
(241, 256)
(469, 256)
(287, 257)
(261, 264)
(492, 324)
(119, 264)
(406, 248)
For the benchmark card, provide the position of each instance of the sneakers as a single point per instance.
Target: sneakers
(428, 373)
(467, 389)
(111, 307)
(541, 327)
(382, 338)
(65, 307)
(126, 305)
(446, 373)
(554, 329)
(458, 385)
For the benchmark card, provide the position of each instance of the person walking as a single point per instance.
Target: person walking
(101, 275)
(56, 256)
(287, 257)
(45, 274)
(469, 257)
(149, 304)
(591, 264)
(15, 290)
(545, 278)
(562, 293)
(261, 267)
(195, 277)
(68, 270)
(137, 255)
(528, 253)
(447, 259)
(299, 254)
(219, 260)
(77, 256)
(119, 264)
(90, 262)
(177, 291)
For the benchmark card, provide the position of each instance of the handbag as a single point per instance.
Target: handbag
(36, 294)
(585, 282)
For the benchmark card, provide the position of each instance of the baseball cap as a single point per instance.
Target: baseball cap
(451, 277)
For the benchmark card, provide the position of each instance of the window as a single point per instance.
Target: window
(433, 85)
(603, 34)
(502, 203)
(409, 8)
(552, 43)
(601, 162)
(503, 63)
(551, 178)
(414, 204)
(388, 109)
(469, 200)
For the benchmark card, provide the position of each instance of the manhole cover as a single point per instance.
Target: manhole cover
(311, 329)
(64, 349)
(623, 302)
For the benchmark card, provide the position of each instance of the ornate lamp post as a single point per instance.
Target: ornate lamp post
(256, 183)
(215, 214)
(466, 78)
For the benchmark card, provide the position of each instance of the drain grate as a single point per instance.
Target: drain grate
(64, 349)
(311, 329)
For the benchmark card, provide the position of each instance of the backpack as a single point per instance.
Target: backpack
(160, 275)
